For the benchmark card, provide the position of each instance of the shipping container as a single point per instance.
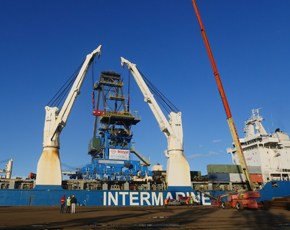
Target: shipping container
(232, 169)
(223, 169)
(256, 178)
(255, 169)
(219, 177)
(237, 177)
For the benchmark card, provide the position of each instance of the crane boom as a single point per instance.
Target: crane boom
(149, 98)
(63, 114)
(230, 119)
(48, 168)
(178, 171)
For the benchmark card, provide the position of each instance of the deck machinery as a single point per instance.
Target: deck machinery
(111, 145)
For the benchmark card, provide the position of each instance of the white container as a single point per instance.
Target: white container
(236, 177)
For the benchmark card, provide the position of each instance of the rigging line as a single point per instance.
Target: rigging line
(66, 91)
(165, 103)
(63, 91)
(58, 93)
(128, 109)
(59, 98)
(93, 85)
(165, 107)
(168, 108)
(173, 107)
(77, 70)
(158, 97)
(4, 161)
(159, 92)
(93, 74)
(163, 99)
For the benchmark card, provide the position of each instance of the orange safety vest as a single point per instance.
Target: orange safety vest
(165, 201)
(187, 201)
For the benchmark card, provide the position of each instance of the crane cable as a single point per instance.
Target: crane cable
(4, 161)
(93, 82)
(163, 100)
(128, 108)
(63, 91)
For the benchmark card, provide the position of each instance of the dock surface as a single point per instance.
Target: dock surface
(174, 217)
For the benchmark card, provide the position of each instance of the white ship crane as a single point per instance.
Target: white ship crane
(8, 169)
(178, 170)
(48, 167)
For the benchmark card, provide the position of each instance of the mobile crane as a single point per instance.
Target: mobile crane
(48, 167)
(245, 198)
(178, 170)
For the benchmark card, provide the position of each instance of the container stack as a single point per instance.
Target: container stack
(233, 173)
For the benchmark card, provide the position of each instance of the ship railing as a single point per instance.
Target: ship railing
(122, 113)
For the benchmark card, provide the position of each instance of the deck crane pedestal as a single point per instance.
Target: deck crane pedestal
(48, 167)
(178, 171)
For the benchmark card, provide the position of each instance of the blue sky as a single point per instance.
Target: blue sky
(43, 42)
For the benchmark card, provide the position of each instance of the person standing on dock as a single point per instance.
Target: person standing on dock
(73, 204)
(166, 203)
(68, 204)
(62, 203)
(191, 201)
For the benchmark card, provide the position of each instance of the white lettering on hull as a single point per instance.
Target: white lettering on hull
(122, 198)
(123, 194)
(133, 198)
(157, 200)
(113, 199)
(144, 196)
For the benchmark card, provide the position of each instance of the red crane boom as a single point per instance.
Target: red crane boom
(226, 105)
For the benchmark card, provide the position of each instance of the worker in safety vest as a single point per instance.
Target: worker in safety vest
(191, 201)
(187, 202)
(68, 205)
(166, 203)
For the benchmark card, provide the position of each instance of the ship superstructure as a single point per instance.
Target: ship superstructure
(268, 152)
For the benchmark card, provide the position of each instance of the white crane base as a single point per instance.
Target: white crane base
(178, 170)
(48, 167)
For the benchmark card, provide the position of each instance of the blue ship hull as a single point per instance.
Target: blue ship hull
(50, 195)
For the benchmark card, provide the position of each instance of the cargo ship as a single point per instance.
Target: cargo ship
(265, 154)
(113, 179)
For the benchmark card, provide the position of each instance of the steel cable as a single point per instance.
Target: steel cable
(163, 100)
(62, 92)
